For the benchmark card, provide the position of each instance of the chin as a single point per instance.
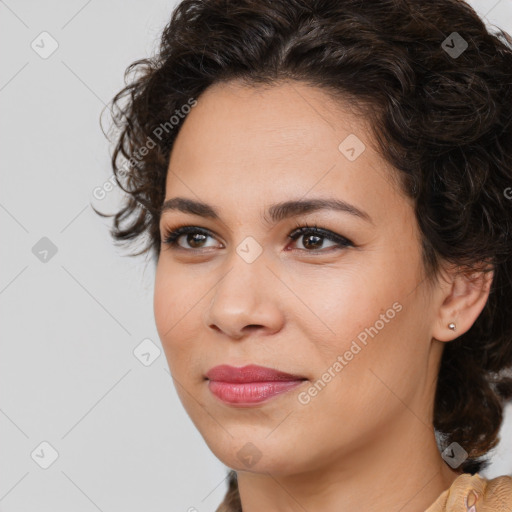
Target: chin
(259, 453)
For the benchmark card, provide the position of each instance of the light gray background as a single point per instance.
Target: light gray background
(68, 374)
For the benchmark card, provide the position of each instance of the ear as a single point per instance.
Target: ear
(462, 298)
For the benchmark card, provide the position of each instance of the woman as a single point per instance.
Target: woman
(324, 189)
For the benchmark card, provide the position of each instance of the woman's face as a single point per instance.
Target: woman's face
(351, 317)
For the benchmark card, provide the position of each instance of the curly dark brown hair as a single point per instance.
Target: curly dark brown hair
(440, 106)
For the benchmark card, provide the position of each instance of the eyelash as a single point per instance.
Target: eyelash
(171, 236)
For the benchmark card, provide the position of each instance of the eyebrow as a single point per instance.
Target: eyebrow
(276, 212)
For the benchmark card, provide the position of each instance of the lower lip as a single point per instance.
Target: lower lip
(250, 392)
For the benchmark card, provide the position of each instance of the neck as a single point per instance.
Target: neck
(396, 472)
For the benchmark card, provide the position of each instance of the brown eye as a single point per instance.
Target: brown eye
(314, 237)
(194, 236)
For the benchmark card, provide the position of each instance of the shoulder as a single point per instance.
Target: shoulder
(474, 493)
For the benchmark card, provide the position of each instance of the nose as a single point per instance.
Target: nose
(245, 299)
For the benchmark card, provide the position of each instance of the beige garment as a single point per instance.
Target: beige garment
(473, 493)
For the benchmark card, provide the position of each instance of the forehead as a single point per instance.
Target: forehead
(289, 117)
(253, 144)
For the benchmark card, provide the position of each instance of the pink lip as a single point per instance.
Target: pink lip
(249, 384)
(249, 373)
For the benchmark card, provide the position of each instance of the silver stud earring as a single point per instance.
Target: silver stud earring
(451, 326)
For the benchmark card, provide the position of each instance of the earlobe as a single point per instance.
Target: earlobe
(463, 298)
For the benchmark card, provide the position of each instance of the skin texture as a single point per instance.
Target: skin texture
(365, 441)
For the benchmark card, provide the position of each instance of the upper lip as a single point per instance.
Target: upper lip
(249, 373)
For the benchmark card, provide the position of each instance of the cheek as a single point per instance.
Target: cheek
(361, 376)
(163, 304)
(175, 294)
(370, 319)
(175, 307)
(377, 357)
(347, 305)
